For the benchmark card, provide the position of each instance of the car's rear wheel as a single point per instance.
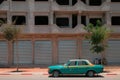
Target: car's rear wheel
(90, 73)
(55, 73)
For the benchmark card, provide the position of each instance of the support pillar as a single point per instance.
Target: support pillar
(79, 19)
(31, 16)
(55, 51)
(9, 20)
(79, 47)
(33, 51)
(108, 18)
(10, 53)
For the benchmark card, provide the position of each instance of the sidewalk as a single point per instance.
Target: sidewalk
(23, 71)
(112, 69)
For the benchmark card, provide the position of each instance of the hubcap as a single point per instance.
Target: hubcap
(90, 73)
(56, 74)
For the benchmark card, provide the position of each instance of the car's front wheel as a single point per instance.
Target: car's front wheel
(55, 73)
(90, 73)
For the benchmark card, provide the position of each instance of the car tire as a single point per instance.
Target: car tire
(55, 73)
(90, 73)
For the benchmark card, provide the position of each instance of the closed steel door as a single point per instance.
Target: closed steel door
(43, 52)
(3, 52)
(113, 52)
(24, 52)
(67, 49)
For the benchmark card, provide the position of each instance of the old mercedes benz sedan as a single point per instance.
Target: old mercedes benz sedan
(75, 66)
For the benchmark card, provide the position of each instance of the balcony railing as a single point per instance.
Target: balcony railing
(77, 29)
(55, 29)
(51, 29)
(36, 29)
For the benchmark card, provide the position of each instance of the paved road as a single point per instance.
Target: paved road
(39, 76)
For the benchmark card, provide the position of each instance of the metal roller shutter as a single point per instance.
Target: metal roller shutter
(86, 53)
(24, 52)
(67, 50)
(3, 52)
(43, 52)
(113, 52)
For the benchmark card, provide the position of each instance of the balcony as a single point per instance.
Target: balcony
(36, 29)
(77, 29)
(52, 29)
(4, 6)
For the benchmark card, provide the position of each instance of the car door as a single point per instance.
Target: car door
(70, 68)
(82, 67)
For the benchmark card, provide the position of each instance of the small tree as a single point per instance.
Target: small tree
(10, 33)
(98, 35)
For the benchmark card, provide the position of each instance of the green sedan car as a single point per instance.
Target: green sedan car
(75, 66)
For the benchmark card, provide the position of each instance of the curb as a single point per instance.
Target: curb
(26, 74)
(5, 74)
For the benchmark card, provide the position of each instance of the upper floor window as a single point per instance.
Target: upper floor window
(18, 0)
(41, 20)
(83, 20)
(66, 21)
(115, 0)
(74, 2)
(74, 20)
(95, 2)
(66, 2)
(18, 20)
(1, 1)
(63, 2)
(84, 1)
(62, 22)
(115, 20)
(94, 20)
(41, 0)
(3, 20)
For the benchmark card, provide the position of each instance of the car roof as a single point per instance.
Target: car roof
(78, 60)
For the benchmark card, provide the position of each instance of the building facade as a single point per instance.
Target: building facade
(53, 30)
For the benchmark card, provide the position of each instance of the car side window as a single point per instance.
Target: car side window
(79, 62)
(82, 63)
(73, 63)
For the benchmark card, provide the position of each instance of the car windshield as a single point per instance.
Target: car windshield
(66, 63)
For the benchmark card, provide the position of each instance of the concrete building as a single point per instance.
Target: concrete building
(53, 30)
